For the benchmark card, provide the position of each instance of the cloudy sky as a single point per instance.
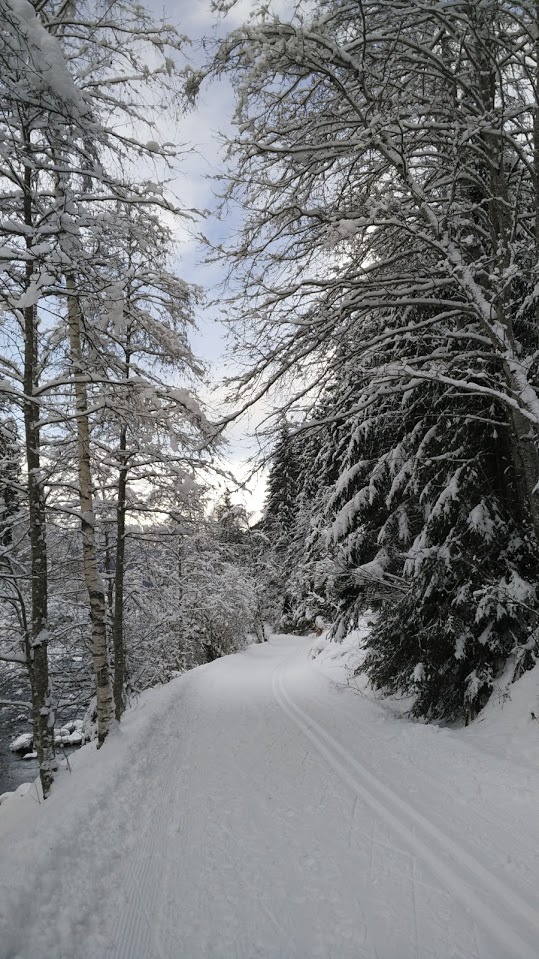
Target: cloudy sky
(200, 132)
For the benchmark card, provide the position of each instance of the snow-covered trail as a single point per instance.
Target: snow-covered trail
(254, 810)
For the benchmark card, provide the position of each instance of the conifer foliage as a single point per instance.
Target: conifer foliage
(387, 153)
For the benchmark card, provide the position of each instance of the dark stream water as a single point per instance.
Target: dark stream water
(14, 770)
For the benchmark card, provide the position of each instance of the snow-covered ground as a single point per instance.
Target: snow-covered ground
(256, 808)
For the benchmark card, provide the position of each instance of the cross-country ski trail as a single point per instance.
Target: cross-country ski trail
(253, 809)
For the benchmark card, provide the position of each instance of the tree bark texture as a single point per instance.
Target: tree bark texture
(93, 580)
(37, 653)
(118, 619)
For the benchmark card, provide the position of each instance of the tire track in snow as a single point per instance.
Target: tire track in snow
(503, 915)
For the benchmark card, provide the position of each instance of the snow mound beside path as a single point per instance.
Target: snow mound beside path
(507, 727)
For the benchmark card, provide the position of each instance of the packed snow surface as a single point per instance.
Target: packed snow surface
(257, 808)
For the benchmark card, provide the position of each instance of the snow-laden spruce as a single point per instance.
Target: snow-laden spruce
(387, 161)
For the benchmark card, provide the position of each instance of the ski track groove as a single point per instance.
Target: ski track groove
(519, 848)
(456, 869)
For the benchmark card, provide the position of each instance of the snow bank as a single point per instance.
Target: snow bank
(339, 660)
(21, 743)
(21, 790)
(507, 727)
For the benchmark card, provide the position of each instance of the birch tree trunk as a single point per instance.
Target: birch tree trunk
(37, 648)
(118, 643)
(93, 580)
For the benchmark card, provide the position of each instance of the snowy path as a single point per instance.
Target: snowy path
(254, 810)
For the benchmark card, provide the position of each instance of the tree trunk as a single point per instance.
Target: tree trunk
(523, 436)
(525, 456)
(118, 641)
(118, 619)
(535, 26)
(37, 654)
(110, 577)
(93, 580)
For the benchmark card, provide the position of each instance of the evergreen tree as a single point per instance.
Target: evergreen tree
(390, 263)
(282, 488)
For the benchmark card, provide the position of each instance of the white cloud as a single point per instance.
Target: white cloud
(203, 157)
